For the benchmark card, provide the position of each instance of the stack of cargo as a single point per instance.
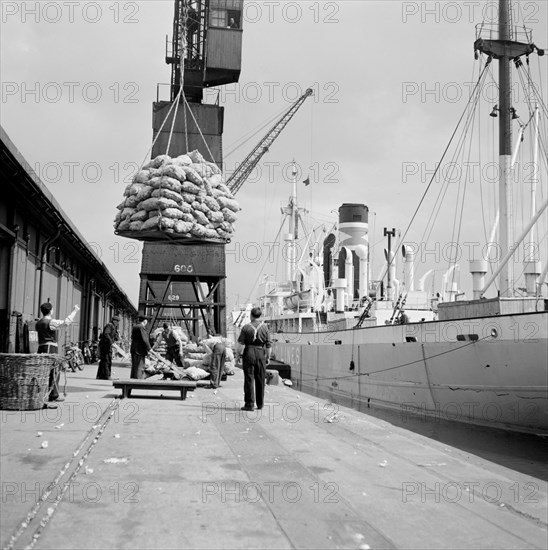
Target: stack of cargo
(196, 355)
(183, 197)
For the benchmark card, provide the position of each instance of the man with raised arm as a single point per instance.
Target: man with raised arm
(47, 328)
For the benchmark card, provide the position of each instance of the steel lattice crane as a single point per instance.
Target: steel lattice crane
(243, 171)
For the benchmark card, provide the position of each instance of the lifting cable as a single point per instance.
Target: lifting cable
(183, 49)
(186, 127)
(457, 224)
(235, 146)
(199, 130)
(176, 103)
(443, 191)
(157, 135)
(402, 238)
(477, 105)
(531, 93)
(252, 291)
(461, 214)
(541, 94)
(182, 57)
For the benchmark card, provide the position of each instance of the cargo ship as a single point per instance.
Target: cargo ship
(387, 343)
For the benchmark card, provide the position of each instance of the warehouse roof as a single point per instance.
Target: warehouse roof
(15, 168)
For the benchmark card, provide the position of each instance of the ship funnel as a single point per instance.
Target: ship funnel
(353, 249)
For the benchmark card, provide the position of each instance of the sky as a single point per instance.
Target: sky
(390, 79)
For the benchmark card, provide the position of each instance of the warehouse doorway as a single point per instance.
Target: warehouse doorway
(5, 269)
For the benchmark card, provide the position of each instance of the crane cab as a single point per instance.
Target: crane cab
(224, 42)
(207, 38)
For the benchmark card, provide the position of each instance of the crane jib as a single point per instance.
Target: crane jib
(241, 173)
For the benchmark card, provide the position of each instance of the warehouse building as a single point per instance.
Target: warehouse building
(44, 258)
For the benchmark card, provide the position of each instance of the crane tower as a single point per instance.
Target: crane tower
(186, 282)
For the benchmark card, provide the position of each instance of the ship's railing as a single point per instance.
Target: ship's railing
(490, 31)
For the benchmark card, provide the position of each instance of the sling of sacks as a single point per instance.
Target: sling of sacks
(184, 196)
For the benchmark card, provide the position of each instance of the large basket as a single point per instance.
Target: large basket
(24, 379)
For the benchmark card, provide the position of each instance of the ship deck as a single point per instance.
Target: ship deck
(156, 472)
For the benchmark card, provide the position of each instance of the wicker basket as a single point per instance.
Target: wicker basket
(24, 379)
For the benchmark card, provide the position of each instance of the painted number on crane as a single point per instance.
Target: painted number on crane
(180, 268)
(173, 298)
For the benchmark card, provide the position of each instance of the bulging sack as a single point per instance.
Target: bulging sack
(174, 171)
(157, 203)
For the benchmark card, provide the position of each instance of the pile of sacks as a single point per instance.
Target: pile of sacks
(195, 356)
(185, 196)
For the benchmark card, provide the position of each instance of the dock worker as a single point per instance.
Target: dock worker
(216, 345)
(140, 346)
(173, 345)
(254, 347)
(108, 337)
(404, 319)
(47, 328)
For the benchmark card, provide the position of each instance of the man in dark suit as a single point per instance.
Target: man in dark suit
(140, 346)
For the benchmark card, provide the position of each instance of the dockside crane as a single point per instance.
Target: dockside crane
(240, 175)
(184, 281)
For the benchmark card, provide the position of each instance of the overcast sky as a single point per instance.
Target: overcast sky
(391, 80)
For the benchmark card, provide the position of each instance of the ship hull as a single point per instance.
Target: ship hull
(486, 371)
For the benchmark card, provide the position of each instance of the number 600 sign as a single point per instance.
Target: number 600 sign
(180, 268)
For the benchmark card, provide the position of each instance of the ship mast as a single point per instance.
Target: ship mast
(292, 212)
(505, 50)
(505, 150)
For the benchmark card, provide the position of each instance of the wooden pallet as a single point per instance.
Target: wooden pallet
(126, 386)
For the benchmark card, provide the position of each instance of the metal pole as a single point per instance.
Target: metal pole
(505, 152)
(532, 253)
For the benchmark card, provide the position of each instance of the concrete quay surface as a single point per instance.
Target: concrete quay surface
(155, 472)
